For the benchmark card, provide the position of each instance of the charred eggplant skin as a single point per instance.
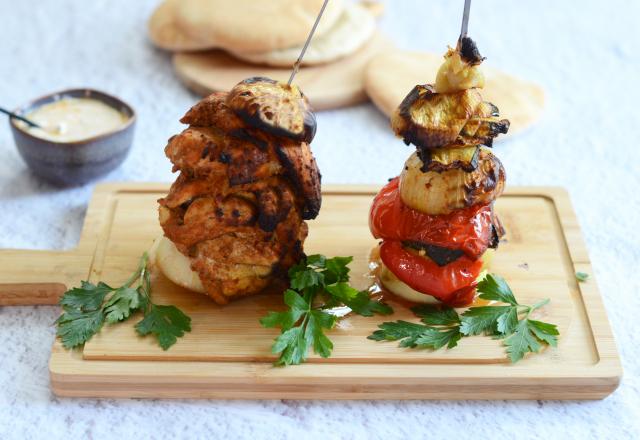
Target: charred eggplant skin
(469, 51)
(438, 167)
(274, 107)
(497, 232)
(440, 255)
(412, 133)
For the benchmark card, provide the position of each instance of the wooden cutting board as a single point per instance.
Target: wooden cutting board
(328, 86)
(227, 353)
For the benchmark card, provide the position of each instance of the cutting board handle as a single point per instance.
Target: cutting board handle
(37, 277)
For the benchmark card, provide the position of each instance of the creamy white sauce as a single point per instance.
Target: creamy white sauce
(74, 119)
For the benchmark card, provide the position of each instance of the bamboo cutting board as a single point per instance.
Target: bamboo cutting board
(227, 354)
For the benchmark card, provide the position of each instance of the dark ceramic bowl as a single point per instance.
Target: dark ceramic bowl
(78, 162)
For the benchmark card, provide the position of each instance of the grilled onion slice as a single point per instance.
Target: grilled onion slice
(438, 193)
(461, 68)
(275, 107)
(174, 265)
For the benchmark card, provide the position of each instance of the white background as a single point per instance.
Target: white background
(585, 54)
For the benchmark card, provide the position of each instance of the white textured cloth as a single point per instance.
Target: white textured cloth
(585, 54)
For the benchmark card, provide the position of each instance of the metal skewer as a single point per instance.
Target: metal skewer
(29, 122)
(465, 19)
(296, 66)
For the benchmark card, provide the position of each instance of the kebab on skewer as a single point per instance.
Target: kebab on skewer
(234, 218)
(436, 220)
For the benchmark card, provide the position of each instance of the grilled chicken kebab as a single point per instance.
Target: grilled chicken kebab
(247, 182)
(436, 220)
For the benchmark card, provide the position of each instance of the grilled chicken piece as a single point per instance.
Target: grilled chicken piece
(193, 212)
(203, 151)
(245, 186)
(227, 237)
(244, 263)
(213, 111)
(301, 168)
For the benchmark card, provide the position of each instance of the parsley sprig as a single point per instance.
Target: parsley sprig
(443, 326)
(317, 284)
(88, 307)
(582, 277)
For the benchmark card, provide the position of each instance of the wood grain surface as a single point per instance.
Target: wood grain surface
(227, 353)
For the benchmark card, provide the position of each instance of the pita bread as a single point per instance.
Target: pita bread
(354, 28)
(333, 85)
(391, 75)
(375, 7)
(164, 32)
(254, 26)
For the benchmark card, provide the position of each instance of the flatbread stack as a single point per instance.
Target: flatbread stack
(218, 43)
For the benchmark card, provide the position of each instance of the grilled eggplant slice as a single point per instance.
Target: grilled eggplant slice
(443, 159)
(440, 255)
(497, 232)
(275, 107)
(460, 119)
(438, 193)
(469, 51)
(482, 131)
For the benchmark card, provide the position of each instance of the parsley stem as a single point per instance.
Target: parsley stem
(537, 306)
(544, 302)
(142, 266)
(131, 279)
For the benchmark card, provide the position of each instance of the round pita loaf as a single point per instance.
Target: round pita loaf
(164, 32)
(391, 75)
(354, 28)
(327, 86)
(252, 25)
(375, 7)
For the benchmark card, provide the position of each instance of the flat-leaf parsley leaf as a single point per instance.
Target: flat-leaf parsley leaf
(85, 309)
(443, 327)
(317, 284)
